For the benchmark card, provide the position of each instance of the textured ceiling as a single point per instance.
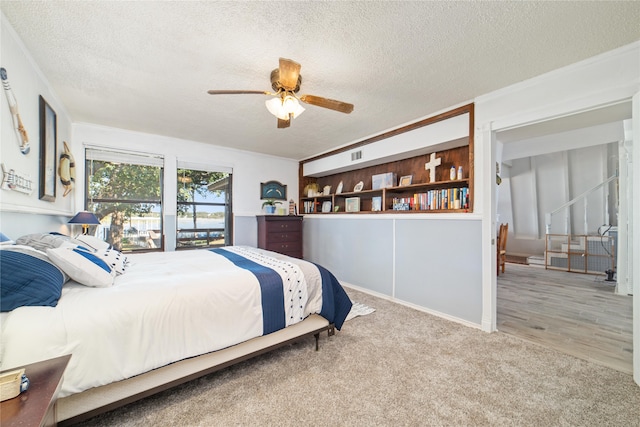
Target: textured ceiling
(146, 66)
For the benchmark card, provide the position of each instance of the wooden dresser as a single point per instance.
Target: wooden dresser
(281, 233)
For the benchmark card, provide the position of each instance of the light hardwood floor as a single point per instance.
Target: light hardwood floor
(577, 314)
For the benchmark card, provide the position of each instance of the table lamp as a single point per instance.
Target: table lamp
(85, 218)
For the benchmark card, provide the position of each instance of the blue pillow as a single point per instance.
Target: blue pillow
(26, 280)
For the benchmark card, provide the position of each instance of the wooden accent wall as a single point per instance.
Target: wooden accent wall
(461, 156)
(412, 166)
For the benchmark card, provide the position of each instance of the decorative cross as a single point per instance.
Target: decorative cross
(431, 166)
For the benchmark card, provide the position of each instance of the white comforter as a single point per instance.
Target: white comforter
(167, 306)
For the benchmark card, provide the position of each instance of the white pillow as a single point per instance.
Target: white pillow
(92, 242)
(44, 241)
(116, 260)
(82, 266)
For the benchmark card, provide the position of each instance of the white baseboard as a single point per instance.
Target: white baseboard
(411, 305)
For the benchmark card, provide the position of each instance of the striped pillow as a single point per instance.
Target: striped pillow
(28, 279)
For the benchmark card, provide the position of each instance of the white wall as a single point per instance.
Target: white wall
(249, 170)
(28, 83)
(534, 186)
(441, 135)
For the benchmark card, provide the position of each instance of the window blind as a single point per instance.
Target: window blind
(183, 164)
(130, 157)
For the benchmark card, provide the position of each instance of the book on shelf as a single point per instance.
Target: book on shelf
(443, 199)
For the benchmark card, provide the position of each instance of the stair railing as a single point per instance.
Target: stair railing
(584, 195)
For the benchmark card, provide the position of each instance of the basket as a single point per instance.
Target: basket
(10, 384)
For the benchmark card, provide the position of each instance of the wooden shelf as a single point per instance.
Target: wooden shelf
(413, 188)
(460, 156)
(387, 195)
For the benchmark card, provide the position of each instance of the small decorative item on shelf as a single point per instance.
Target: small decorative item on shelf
(352, 204)
(326, 190)
(431, 166)
(326, 206)
(339, 189)
(459, 173)
(311, 189)
(376, 203)
(401, 205)
(383, 180)
(269, 206)
(359, 186)
(406, 180)
(452, 173)
(293, 209)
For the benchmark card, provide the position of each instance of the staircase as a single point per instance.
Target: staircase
(588, 253)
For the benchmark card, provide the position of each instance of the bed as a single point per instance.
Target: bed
(165, 318)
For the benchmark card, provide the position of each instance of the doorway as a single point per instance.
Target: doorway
(577, 314)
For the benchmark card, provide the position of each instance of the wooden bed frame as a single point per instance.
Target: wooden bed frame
(82, 406)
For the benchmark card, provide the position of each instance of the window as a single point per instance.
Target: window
(124, 190)
(204, 207)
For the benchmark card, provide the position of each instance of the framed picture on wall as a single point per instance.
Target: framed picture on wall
(273, 190)
(48, 150)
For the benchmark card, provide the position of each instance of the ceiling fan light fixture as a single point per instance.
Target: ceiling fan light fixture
(284, 107)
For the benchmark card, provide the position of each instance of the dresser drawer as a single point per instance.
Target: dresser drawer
(285, 236)
(278, 226)
(285, 247)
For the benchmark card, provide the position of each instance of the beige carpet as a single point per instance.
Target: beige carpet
(398, 367)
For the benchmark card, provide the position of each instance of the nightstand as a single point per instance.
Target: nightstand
(37, 405)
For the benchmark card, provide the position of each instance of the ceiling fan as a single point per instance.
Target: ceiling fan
(285, 81)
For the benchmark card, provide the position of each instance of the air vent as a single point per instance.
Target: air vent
(356, 155)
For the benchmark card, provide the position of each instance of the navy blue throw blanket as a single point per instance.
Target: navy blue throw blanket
(335, 301)
(336, 304)
(270, 288)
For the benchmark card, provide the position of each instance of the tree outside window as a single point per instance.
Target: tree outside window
(127, 198)
(204, 209)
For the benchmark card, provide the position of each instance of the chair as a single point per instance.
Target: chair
(502, 247)
(153, 241)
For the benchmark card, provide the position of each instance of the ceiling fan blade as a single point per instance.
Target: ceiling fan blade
(237, 92)
(289, 73)
(284, 123)
(331, 104)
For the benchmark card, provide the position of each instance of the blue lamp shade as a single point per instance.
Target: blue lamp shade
(4, 238)
(85, 218)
